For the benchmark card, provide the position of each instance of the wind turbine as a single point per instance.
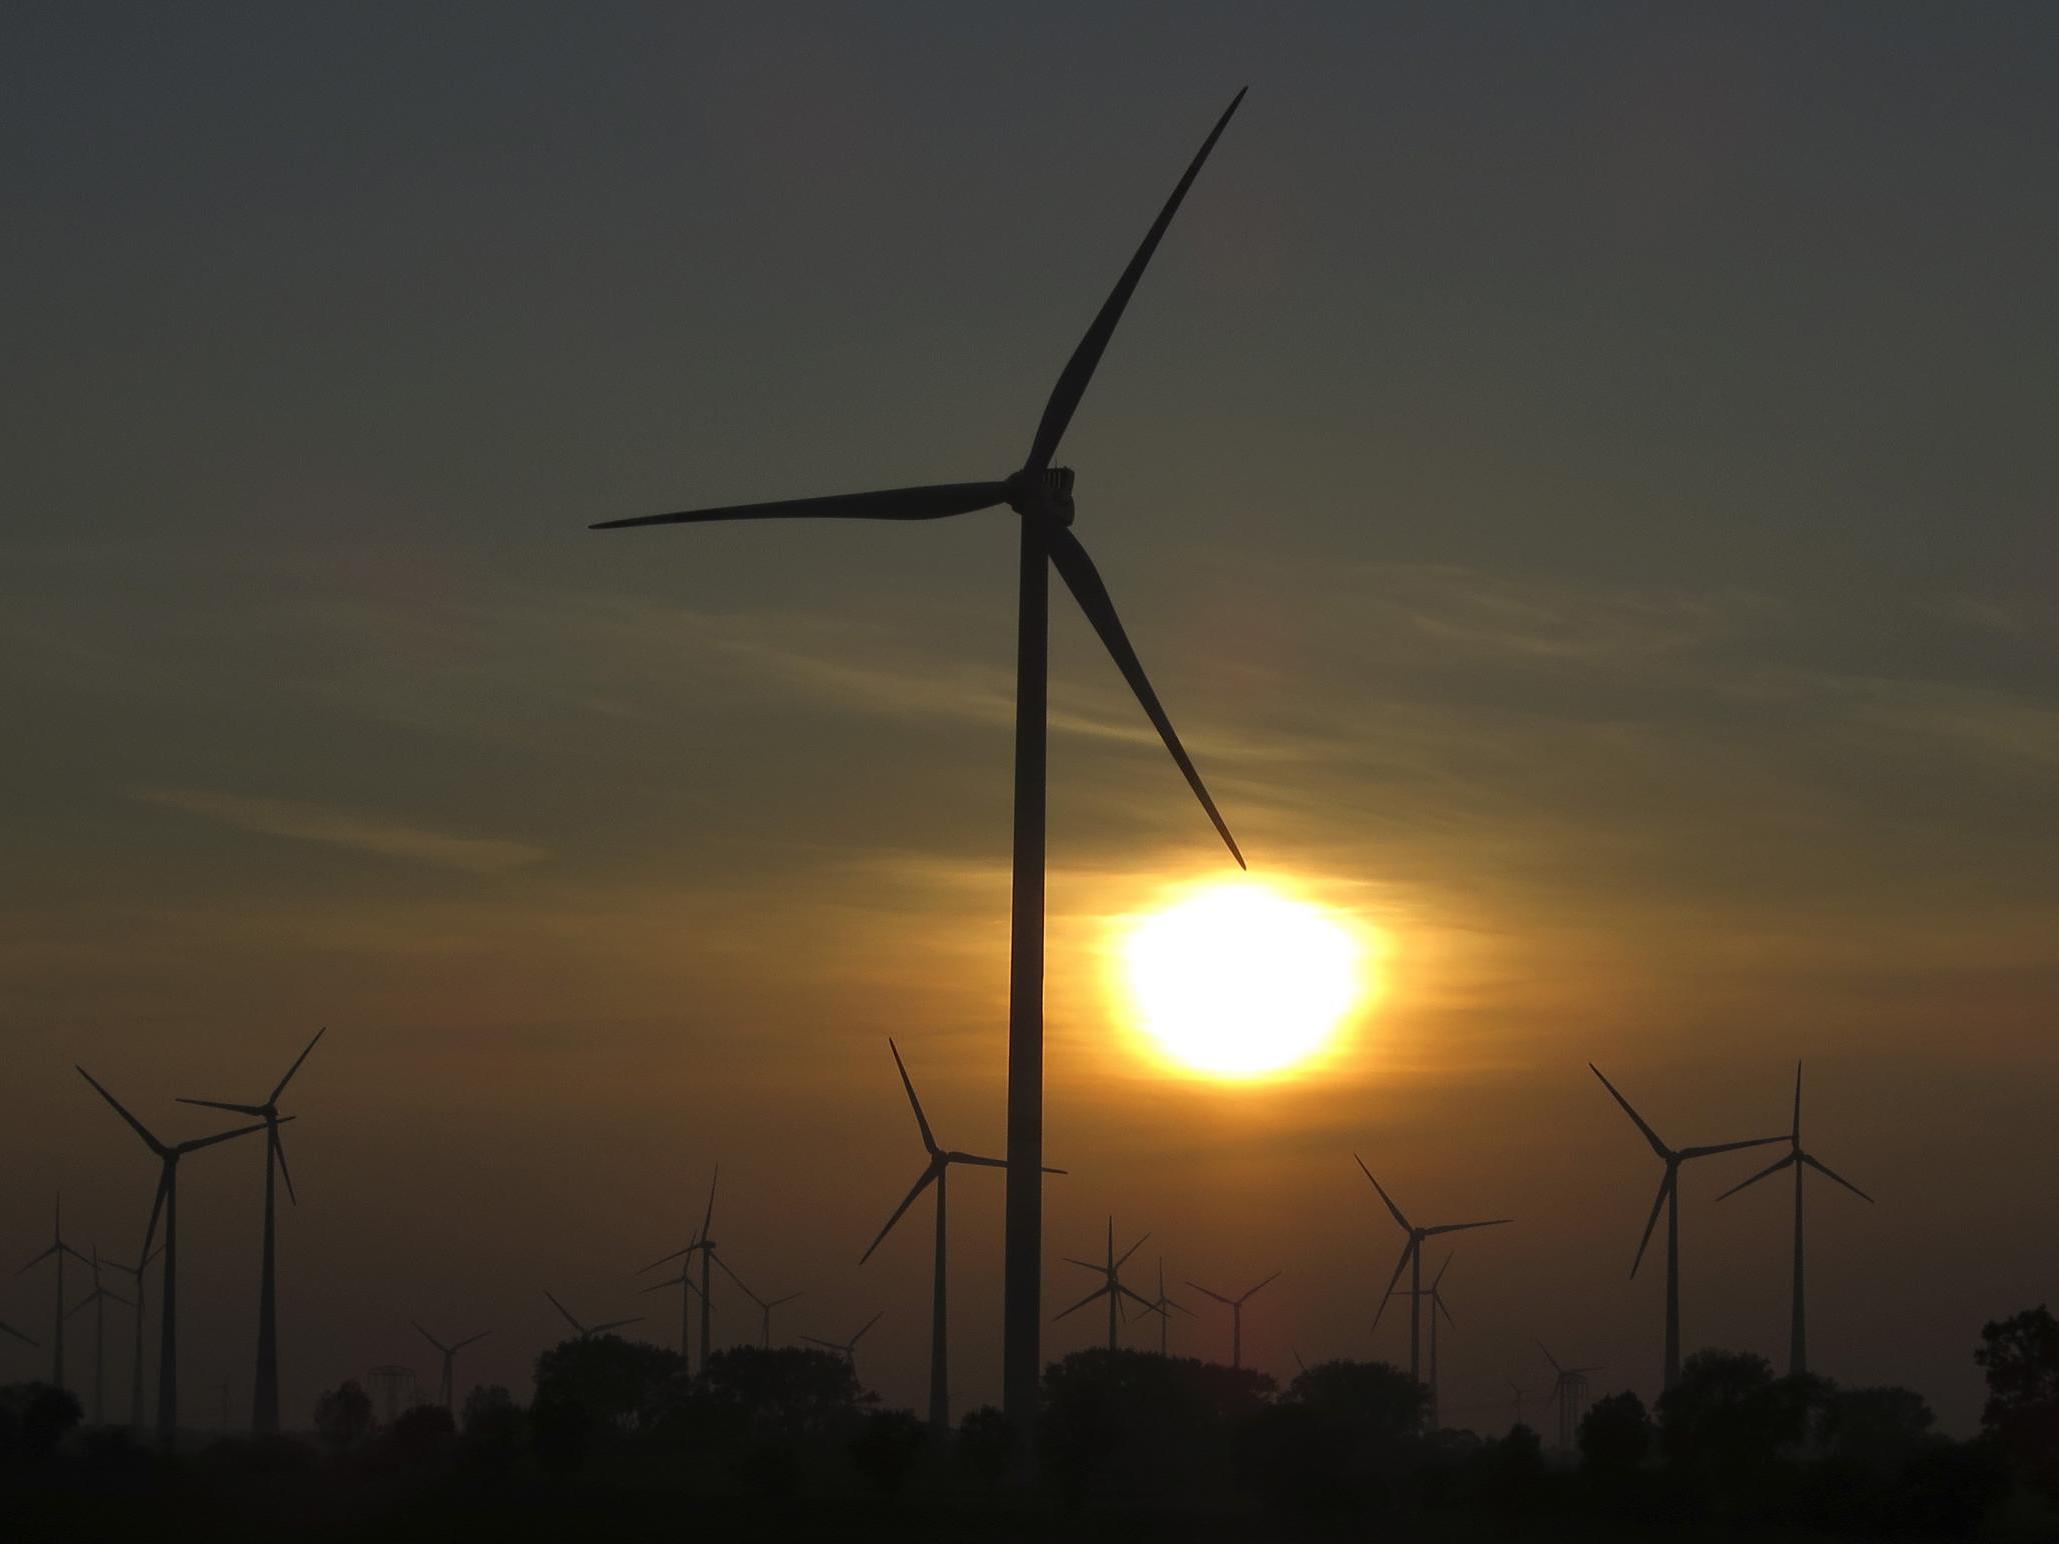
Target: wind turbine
(167, 1205)
(1163, 1305)
(98, 1297)
(705, 1247)
(688, 1292)
(6, 1328)
(57, 1251)
(1521, 1393)
(586, 1332)
(1569, 1389)
(450, 1355)
(136, 1368)
(936, 1172)
(1236, 1307)
(1041, 495)
(1111, 1285)
(1798, 1339)
(848, 1347)
(1436, 1296)
(1412, 1255)
(1669, 1198)
(264, 1402)
(764, 1307)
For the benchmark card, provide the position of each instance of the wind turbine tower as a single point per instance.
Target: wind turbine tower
(449, 1354)
(98, 1299)
(57, 1251)
(1412, 1261)
(1111, 1286)
(1236, 1307)
(1436, 1296)
(1569, 1391)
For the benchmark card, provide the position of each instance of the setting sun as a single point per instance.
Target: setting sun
(1237, 980)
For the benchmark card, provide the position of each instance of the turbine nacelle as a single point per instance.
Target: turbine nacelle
(1042, 495)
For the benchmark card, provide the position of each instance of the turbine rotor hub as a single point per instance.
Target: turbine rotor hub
(1045, 495)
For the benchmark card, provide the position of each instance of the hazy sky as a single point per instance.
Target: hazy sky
(1580, 477)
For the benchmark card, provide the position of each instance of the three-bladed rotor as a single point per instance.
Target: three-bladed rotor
(585, 1331)
(268, 1112)
(1795, 1154)
(1111, 1274)
(1416, 1235)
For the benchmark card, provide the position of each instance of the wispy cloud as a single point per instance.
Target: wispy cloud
(343, 828)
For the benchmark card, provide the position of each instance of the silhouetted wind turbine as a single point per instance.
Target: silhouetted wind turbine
(1569, 1388)
(1163, 1305)
(586, 1332)
(1236, 1307)
(264, 1402)
(764, 1307)
(1412, 1255)
(848, 1347)
(1111, 1286)
(1436, 1296)
(136, 1367)
(688, 1292)
(1042, 495)
(1669, 1198)
(936, 1172)
(705, 1247)
(7, 1328)
(1798, 1339)
(57, 1251)
(167, 1205)
(98, 1298)
(1518, 1390)
(450, 1356)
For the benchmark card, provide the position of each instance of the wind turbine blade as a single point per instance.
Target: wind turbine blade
(17, 1334)
(1260, 1287)
(708, 1221)
(38, 1260)
(219, 1104)
(1828, 1174)
(1551, 1359)
(164, 1182)
(1770, 1169)
(469, 1339)
(732, 1275)
(296, 1065)
(117, 1297)
(198, 1143)
(922, 1184)
(1072, 381)
(1101, 1291)
(1226, 1301)
(279, 1152)
(667, 1259)
(1077, 569)
(683, 1279)
(989, 1163)
(787, 1299)
(1139, 1244)
(1438, 1280)
(84, 1302)
(934, 501)
(1437, 1302)
(1368, 1173)
(1665, 1189)
(1135, 1297)
(1399, 1266)
(1797, 1129)
(561, 1308)
(616, 1324)
(1460, 1227)
(141, 1130)
(439, 1345)
(928, 1141)
(868, 1325)
(1650, 1135)
(827, 1345)
(1089, 1265)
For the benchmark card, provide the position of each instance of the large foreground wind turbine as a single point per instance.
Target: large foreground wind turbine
(1798, 1338)
(98, 1299)
(264, 1403)
(849, 1348)
(450, 1352)
(585, 1331)
(1111, 1286)
(1412, 1255)
(936, 1172)
(167, 1206)
(57, 1251)
(704, 1246)
(1236, 1307)
(1669, 1198)
(1435, 1293)
(1041, 495)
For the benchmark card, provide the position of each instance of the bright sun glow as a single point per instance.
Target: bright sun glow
(1237, 980)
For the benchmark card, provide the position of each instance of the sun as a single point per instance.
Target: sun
(1237, 980)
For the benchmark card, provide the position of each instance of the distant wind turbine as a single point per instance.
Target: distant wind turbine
(1162, 1305)
(687, 1293)
(849, 1348)
(1042, 495)
(142, 1302)
(167, 1206)
(1236, 1307)
(1111, 1286)
(6, 1328)
(1412, 1256)
(264, 1402)
(1798, 1338)
(1435, 1294)
(98, 1299)
(704, 1246)
(1569, 1391)
(765, 1306)
(57, 1251)
(585, 1331)
(1669, 1198)
(450, 1352)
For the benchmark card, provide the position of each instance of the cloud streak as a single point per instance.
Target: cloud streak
(296, 821)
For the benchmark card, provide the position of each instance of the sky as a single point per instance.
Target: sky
(1578, 476)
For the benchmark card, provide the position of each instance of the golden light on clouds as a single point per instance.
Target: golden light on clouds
(1239, 980)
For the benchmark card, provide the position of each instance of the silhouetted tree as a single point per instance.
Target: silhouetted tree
(343, 1415)
(421, 1437)
(2020, 1356)
(1514, 1468)
(1340, 1437)
(1877, 1429)
(1615, 1436)
(494, 1426)
(794, 1392)
(985, 1441)
(623, 1383)
(1136, 1423)
(35, 1418)
(560, 1427)
(888, 1446)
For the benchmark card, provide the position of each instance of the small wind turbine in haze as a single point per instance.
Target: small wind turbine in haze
(1111, 1286)
(57, 1251)
(1162, 1305)
(98, 1298)
(1412, 1256)
(585, 1331)
(1436, 1296)
(1236, 1307)
(1798, 1339)
(167, 1206)
(687, 1293)
(142, 1301)
(264, 1403)
(848, 1348)
(450, 1352)
(765, 1305)
(1569, 1391)
(704, 1246)
(1669, 1198)
(1041, 495)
